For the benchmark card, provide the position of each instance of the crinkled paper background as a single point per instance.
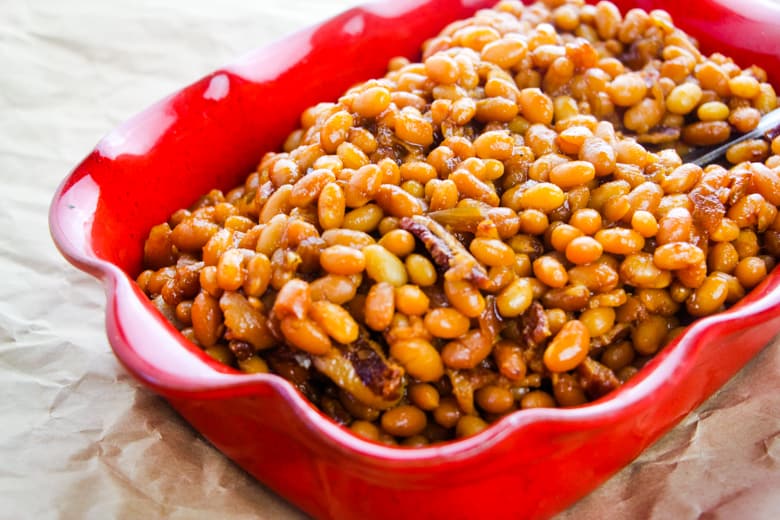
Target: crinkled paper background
(78, 437)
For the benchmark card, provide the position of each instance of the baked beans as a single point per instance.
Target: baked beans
(506, 224)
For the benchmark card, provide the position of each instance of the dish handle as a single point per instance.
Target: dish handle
(145, 343)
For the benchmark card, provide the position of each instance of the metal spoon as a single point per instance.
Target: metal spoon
(769, 124)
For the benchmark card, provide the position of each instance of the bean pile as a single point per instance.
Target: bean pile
(507, 224)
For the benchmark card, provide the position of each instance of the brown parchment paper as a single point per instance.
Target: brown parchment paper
(79, 438)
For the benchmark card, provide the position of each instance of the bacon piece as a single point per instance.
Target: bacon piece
(535, 328)
(448, 253)
(362, 370)
(596, 379)
(708, 210)
(741, 180)
(375, 372)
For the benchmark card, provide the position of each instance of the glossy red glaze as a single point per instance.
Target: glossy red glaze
(530, 464)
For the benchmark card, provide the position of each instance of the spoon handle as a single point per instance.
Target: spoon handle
(768, 123)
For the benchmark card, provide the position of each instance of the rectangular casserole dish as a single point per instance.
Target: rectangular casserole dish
(212, 133)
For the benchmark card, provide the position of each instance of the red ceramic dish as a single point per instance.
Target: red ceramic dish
(212, 133)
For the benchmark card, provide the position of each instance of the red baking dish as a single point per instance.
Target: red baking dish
(212, 133)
